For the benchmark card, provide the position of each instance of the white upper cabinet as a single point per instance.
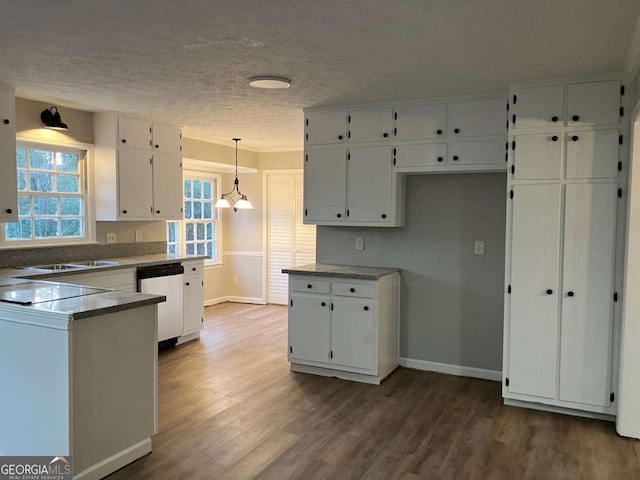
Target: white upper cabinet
(421, 122)
(134, 133)
(593, 154)
(370, 185)
(593, 103)
(371, 125)
(8, 184)
(167, 193)
(537, 156)
(135, 185)
(166, 139)
(323, 128)
(537, 107)
(477, 118)
(420, 155)
(325, 177)
(477, 152)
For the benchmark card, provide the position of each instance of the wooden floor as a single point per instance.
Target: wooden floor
(231, 409)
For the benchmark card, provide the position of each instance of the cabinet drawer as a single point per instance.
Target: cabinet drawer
(309, 285)
(193, 268)
(353, 289)
(421, 155)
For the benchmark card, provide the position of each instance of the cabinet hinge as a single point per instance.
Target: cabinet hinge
(620, 166)
(291, 302)
(621, 89)
(349, 156)
(331, 354)
(306, 136)
(306, 158)
(348, 213)
(513, 145)
(151, 209)
(506, 382)
(151, 161)
(620, 193)
(507, 123)
(394, 161)
(511, 194)
(615, 296)
(395, 132)
(180, 147)
(349, 119)
(509, 289)
(180, 209)
(290, 349)
(513, 169)
(620, 139)
(332, 306)
(349, 134)
(306, 122)
(395, 116)
(513, 119)
(612, 397)
(515, 99)
(622, 111)
(506, 157)
(202, 283)
(507, 106)
(394, 152)
(506, 146)
(305, 212)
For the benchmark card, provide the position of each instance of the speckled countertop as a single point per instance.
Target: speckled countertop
(341, 271)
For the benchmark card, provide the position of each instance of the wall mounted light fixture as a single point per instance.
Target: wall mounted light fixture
(51, 119)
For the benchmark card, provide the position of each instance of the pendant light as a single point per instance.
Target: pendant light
(226, 200)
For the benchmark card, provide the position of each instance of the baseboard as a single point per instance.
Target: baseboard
(214, 301)
(188, 338)
(115, 462)
(459, 370)
(256, 300)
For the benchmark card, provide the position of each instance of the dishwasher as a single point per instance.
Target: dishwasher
(165, 280)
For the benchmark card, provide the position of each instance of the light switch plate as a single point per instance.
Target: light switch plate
(138, 235)
(478, 248)
(111, 237)
(359, 243)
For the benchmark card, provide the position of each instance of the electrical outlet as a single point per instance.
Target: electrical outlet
(138, 235)
(234, 280)
(359, 243)
(478, 248)
(111, 237)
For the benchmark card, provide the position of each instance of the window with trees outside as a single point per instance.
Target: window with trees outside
(52, 195)
(198, 232)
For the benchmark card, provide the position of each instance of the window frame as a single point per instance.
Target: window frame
(216, 217)
(86, 182)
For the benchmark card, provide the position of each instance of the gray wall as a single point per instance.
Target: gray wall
(452, 300)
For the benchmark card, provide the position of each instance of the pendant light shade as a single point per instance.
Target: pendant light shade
(51, 119)
(226, 199)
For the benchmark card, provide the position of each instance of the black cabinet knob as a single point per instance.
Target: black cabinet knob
(554, 118)
(554, 138)
(575, 138)
(6, 121)
(194, 269)
(187, 284)
(575, 118)
(8, 210)
(384, 215)
(339, 215)
(439, 159)
(124, 211)
(549, 291)
(455, 158)
(124, 140)
(158, 212)
(324, 304)
(340, 137)
(385, 134)
(438, 132)
(570, 294)
(456, 130)
(309, 285)
(157, 146)
(366, 309)
(352, 290)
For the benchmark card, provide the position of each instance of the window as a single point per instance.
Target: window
(198, 232)
(52, 196)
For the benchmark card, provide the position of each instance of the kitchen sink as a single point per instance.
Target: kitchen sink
(93, 263)
(57, 266)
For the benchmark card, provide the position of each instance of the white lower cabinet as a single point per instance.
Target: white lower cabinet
(119, 279)
(344, 328)
(193, 295)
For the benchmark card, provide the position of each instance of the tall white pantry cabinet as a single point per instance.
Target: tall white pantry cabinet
(567, 164)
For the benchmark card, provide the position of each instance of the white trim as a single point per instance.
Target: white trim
(459, 370)
(553, 409)
(632, 64)
(115, 462)
(239, 253)
(254, 300)
(251, 148)
(328, 372)
(214, 301)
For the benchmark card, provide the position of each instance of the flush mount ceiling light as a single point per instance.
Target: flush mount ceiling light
(226, 200)
(269, 81)
(51, 119)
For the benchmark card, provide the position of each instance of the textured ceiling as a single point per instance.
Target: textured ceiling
(188, 61)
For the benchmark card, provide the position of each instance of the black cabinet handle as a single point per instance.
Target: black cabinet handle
(385, 134)
(124, 140)
(554, 138)
(324, 304)
(554, 119)
(570, 294)
(384, 215)
(575, 138)
(439, 159)
(340, 137)
(6, 121)
(339, 215)
(438, 132)
(366, 309)
(456, 130)
(575, 118)
(455, 158)
(549, 291)
(309, 285)
(124, 212)
(8, 210)
(352, 290)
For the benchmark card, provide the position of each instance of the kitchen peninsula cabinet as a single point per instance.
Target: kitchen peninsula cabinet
(343, 321)
(8, 186)
(139, 167)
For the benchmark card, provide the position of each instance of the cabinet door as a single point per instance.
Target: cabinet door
(481, 152)
(587, 297)
(193, 304)
(134, 133)
(322, 128)
(537, 157)
(477, 117)
(374, 125)
(135, 185)
(309, 323)
(421, 122)
(594, 103)
(325, 185)
(167, 139)
(167, 187)
(8, 184)
(353, 333)
(369, 188)
(593, 154)
(538, 107)
(533, 325)
(421, 155)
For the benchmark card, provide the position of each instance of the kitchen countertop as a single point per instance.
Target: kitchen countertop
(340, 271)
